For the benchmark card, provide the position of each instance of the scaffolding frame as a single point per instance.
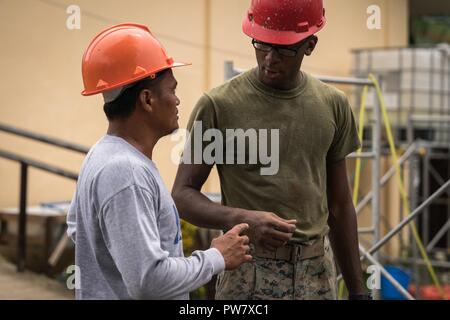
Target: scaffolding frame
(422, 169)
(429, 117)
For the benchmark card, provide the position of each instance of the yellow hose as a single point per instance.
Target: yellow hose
(402, 188)
(360, 136)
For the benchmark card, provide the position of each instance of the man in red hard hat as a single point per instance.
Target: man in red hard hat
(122, 218)
(293, 211)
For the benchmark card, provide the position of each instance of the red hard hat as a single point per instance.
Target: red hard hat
(121, 55)
(283, 22)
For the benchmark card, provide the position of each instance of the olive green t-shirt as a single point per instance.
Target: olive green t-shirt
(315, 125)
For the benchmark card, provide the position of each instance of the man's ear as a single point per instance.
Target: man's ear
(312, 42)
(146, 100)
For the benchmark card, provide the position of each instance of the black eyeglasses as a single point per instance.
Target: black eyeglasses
(284, 51)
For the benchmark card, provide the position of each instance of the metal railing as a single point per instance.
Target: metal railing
(25, 164)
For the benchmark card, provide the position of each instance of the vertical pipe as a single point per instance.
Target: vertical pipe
(447, 138)
(413, 81)
(399, 97)
(431, 95)
(443, 127)
(448, 198)
(376, 149)
(413, 205)
(448, 102)
(410, 129)
(402, 234)
(22, 239)
(425, 195)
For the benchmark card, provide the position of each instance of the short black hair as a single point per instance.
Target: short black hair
(124, 105)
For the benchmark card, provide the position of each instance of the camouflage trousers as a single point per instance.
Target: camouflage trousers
(267, 279)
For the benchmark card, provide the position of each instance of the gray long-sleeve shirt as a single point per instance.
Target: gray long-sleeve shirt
(126, 230)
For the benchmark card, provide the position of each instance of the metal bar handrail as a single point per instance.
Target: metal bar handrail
(429, 118)
(410, 217)
(44, 138)
(22, 223)
(39, 165)
(346, 80)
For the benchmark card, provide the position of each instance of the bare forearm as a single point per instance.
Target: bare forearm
(197, 209)
(265, 228)
(344, 241)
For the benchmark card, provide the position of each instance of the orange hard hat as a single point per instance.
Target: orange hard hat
(121, 55)
(283, 22)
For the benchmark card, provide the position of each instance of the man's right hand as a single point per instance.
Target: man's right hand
(267, 230)
(233, 246)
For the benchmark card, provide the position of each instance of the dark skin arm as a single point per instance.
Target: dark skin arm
(266, 229)
(343, 227)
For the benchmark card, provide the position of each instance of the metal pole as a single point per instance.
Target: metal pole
(448, 199)
(410, 217)
(376, 147)
(438, 235)
(361, 155)
(413, 191)
(401, 236)
(22, 237)
(426, 194)
(365, 230)
(346, 80)
(387, 275)
(434, 263)
(437, 176)
(389, 174)
(430, 118)
(230, 71)
(43, 138)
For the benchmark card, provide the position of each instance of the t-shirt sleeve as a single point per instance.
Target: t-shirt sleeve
(129, 227)
(346, 139)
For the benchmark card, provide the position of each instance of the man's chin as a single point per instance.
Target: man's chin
(173, 130)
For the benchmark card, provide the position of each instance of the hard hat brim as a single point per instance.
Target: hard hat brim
(118, 85)
(255, 31)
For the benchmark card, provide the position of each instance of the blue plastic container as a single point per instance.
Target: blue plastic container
(388, 291)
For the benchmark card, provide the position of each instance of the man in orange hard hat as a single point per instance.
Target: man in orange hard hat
(292, 212)
(122, 219)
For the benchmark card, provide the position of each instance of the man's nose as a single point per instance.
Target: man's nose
(272, 56)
